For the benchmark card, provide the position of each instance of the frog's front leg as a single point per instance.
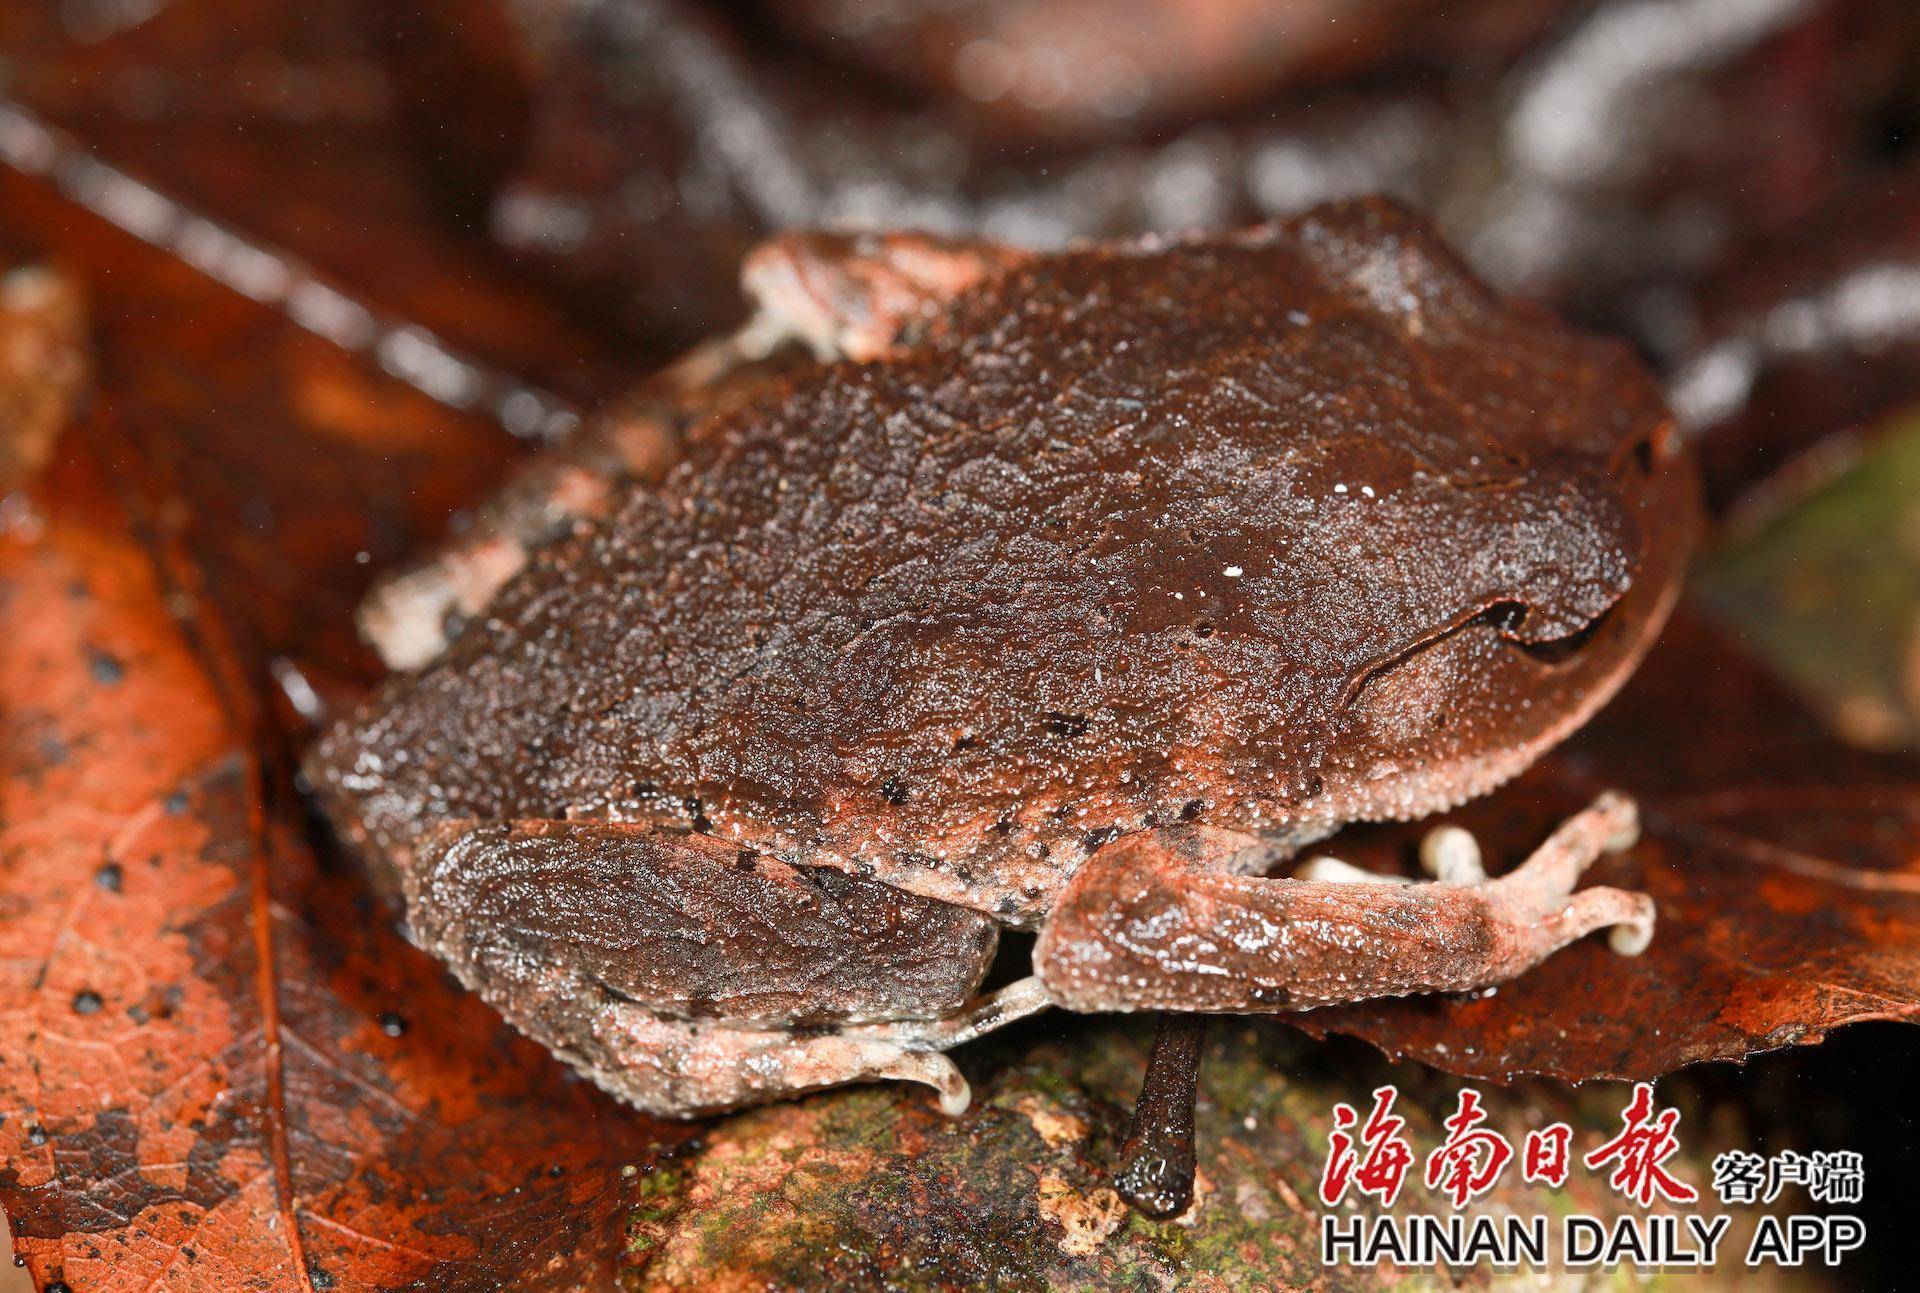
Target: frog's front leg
(1162, 921)
(685, 974)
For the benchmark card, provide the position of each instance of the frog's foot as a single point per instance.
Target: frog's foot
(1542, 884)
(685, 1067)
(850, 295)
(1160, 921)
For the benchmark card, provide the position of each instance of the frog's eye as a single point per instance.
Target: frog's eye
(1500, 623)
(1506, 618)
(1430, 691)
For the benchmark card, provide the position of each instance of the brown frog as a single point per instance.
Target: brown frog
(1062, 592)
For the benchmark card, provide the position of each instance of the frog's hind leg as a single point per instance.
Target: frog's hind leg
(677, 1066)
(1161, 921)
(851, 295)
(686, 974)
(682, 1068)
(411, 614)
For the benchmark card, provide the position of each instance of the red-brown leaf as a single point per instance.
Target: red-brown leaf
(223, 1068)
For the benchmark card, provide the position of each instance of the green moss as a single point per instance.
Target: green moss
(866, 1118)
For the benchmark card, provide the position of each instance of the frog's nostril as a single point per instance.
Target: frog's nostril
(1642, 454)
(696, 811)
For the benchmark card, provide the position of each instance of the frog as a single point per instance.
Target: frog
(1073, 595)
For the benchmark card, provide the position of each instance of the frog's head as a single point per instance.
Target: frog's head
(1386, 535)
(1432, 529)
(1525, 585)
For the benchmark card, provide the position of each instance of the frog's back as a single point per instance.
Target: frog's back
(1254, 529)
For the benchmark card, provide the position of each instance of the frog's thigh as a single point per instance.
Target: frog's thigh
(1149, 923)
(684, 973)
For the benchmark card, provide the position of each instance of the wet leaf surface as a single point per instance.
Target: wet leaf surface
(286, 123)
(223, 1067)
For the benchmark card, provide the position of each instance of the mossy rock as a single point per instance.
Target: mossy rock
(872, 1188)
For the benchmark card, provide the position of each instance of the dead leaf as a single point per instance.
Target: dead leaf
(288, 124)
(1805, 345)
(224, 1069)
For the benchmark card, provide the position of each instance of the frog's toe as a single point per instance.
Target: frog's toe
(1632, 933)
(1334, 871)
(1630, 916)
(1536, 902)
(689, 1068)
(935, 1070)
(1542, 886)
(1451, 855)
(1166, 921)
